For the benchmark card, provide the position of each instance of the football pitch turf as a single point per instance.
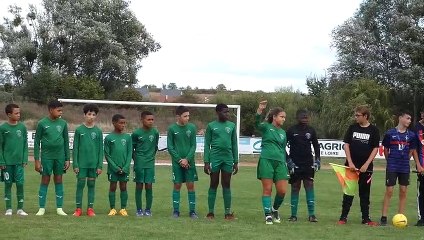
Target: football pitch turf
(246, 191)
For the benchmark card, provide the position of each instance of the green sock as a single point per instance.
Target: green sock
(58, 187)
(42, 194)
(211, 199)
(266, 204)
(226, 192)
(112, 199)
(138, 201)
(294, 199)
(20, 195)
(79, 192)
(124, 199)
(192, 201)
(278, 200)
(310, 201)
(91, 185)
(8, 195)
(176, 200)
(149, 198)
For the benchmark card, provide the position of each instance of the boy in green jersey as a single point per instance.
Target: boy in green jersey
(182, 147)
(13, 157)
(220, 156)
(52, 136)
(87, 156)
(145, 145)
(118, 151)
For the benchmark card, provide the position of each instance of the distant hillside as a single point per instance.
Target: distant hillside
(32, 112)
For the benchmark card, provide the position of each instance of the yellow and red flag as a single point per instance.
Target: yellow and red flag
(347, 178)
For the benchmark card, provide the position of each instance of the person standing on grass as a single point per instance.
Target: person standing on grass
(399, 145)
(182, 148)
(419, 128)
(87, 156)
(272, 168)
(220, 158)
(13, 157)
(145, 145)
(52, 137)
(301, 163)
(362, 141)
(118, 151)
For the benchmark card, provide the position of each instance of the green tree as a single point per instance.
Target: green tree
(172, 86)
(18, 46)
(317, 90)
(249, 104)
(100, 40)
(80, 88)
(384, 40)
(127, 94)
(221, 87)
(339, 104)
(41, 86)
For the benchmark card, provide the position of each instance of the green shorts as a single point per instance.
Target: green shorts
(115, 177)
(13, 174)
(144, 175)
(87, 173)
(272, 169)
(182, 175)
(226, 166)
(52, 165)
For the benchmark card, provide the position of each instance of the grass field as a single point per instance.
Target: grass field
(246, 205)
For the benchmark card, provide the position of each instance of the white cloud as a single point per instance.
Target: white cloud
(248, 45)
(210, 42)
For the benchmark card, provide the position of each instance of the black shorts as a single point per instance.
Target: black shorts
(402, 178)
(302, 174)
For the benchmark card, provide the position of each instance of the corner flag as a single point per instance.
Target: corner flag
(348, 179)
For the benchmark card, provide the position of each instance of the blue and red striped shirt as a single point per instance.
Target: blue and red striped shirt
(399, 145)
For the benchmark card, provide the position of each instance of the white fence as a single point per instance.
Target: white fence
(248, 145)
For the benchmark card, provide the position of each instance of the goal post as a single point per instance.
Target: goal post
(133, 103)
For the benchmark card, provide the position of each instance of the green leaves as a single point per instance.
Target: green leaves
(384, 41)
(100, 41)
(339, 104)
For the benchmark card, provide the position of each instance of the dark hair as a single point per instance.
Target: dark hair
(9, 108)
(220, 106)
(402, 113)
(180, 110)
(117, 117)
(53, 104)
(145, 113)
(273, 112)
(301, 112)
(91, 107)
(364, 110)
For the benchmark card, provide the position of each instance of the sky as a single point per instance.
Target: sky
(246, 45)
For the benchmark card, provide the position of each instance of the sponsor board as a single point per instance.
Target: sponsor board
(247, 145)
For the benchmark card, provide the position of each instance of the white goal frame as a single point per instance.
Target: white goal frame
(85, 101)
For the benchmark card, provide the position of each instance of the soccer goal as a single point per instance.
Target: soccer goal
(192, 106)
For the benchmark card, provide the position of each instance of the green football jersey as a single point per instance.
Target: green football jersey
(145, 145)
(118, 151)
(52, 135)
(181, 142)
(87, 150)
(13, 144)
(274, 140)
(221, 142)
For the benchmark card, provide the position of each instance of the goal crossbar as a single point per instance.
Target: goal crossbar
(200, 105)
